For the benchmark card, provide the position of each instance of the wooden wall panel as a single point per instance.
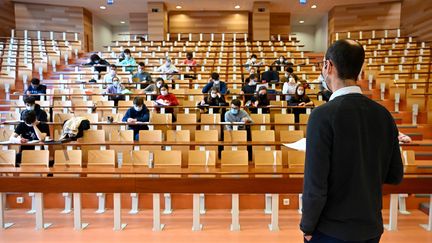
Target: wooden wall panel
(138, 23)
(280, 23)
(88, 30)
(364, 17)
(208, 22)
(49, 17)
(7, 17)
(416, 19)
(157, 21)
(261, 21)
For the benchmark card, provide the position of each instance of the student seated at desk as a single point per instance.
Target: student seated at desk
(116, 90)
(137, 113)
(301, 99)
(167, 99)
(289, 87)
(236, 114)
(166, 69)
(30, 103)
(30, 129)
(191, 65)
(154, 88)
(142, 75)
(289, 73)
(213, 98)
(112, 73)
(252, 62)
(128, 61)
(260, 100)
(249, 89)
(281, 61)
(214, 82)
(36, 88)
(99, 64)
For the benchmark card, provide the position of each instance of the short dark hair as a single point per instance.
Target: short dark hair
(35, 81)
(254, 56)
(29, 100)
(165, 86)
(215, 76)
(189, 54)
(138, 101)
(29, 117)
(142, 64)
(127, 51)
(290, 69)
(113, 66)
(94, 57)
(160, 79)
(252, 76)
(347, 57)
(236, 102)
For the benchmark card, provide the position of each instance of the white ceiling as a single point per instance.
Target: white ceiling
(120, 10)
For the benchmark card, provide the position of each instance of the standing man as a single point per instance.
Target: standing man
(352, 149)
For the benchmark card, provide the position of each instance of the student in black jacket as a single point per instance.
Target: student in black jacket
(352, 148)
(137, 113)
(41, 115)
(214, 98)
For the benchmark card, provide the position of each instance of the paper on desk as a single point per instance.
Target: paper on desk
(299, 145)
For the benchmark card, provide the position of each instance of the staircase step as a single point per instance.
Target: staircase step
(424, 207)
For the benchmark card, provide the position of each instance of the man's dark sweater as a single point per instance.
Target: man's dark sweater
(352, 149)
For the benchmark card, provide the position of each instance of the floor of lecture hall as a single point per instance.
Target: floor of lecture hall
(178, 228)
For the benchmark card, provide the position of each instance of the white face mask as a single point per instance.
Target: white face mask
(138, 108)
(300, 92)
(252, 82)
(158, 85)
(30, 107)
(286, 75)
(113, 72)
(164, 93)
(168, 64)
(31, 125)
(216, 81)
(253, 59)
(281, 60)
(213, 95)
(116, 83)
(140, 70)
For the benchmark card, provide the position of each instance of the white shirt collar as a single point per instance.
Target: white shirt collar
(345, 91)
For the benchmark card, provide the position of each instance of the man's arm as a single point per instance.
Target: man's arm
(317, 165)
(395, 170)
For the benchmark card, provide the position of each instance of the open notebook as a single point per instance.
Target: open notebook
(299, 145)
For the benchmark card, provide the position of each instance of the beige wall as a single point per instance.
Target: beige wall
(208, 22)
(138, 23)
(261, 21)
(416, 19)
(280, 23)
(7, 17)
(364, 17)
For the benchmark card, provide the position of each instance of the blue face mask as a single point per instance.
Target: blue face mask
(324, 83)
(234, 111)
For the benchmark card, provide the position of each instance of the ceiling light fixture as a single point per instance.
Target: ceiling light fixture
(237, 6)
(122, 22)
(301, 21)
(102, 7)
(178, 7)
(314, 6)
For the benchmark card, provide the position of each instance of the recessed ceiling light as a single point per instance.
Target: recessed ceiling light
(178, 7)
(102, 7)
(237, 6)
(314, 6)
(122, 22)
(301, 21)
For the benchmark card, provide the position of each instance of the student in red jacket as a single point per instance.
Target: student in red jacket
(167, 99)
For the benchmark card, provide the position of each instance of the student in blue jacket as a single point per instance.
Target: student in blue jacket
(216, 83)
(137, 113)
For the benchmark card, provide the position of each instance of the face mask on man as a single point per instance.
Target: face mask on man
(113, 72)
(29, 125)
(213, 95)
(158, 85)
(164, 92)
(323, 82)
(138, 108)
(216, 82)
(140, 70)
(281, 60)
(234, 111)
(253, 59)
(30, 107)
(252, 82)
